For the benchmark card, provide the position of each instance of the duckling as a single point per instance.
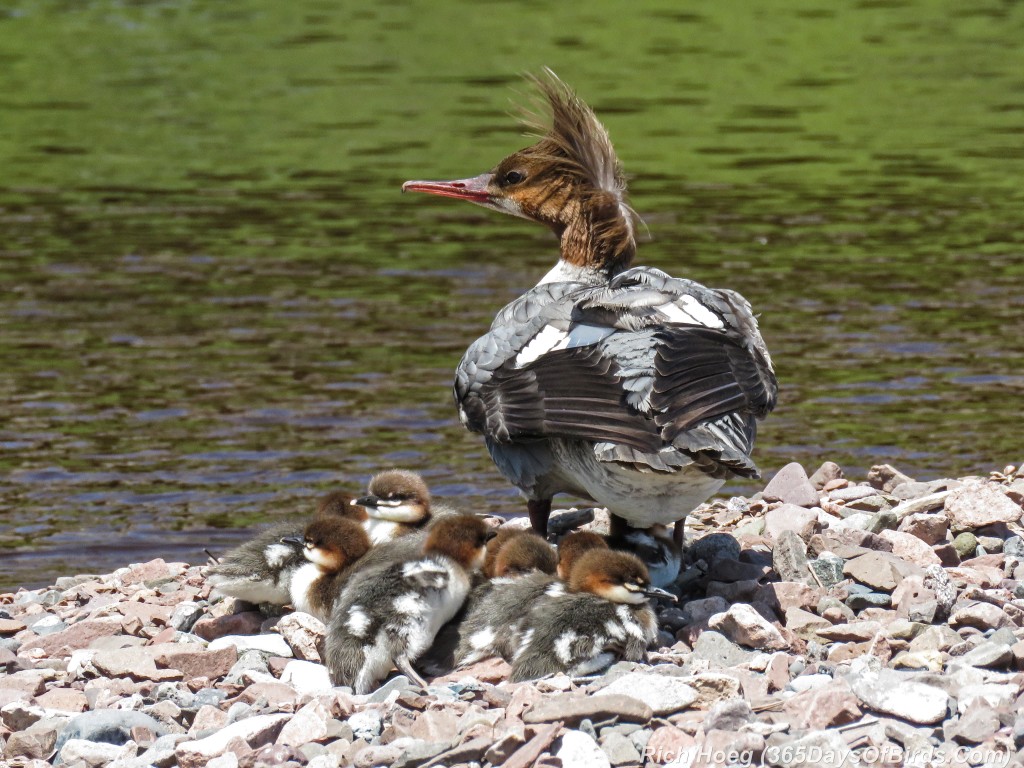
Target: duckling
(572, 546)
(493, 623)
(604, 616)
(391, 617)
(522, 553)
(259, 571)
(656, 546)
(331, 547)
(397, 503)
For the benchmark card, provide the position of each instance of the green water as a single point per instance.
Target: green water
(216, 304)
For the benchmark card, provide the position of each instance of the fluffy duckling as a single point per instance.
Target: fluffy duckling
(397, 503)
(390, 618)
(604, 616)
(656, 546)
(331, 546)
(521, 553)
(493, 625)
(572, 546)
(260, 570)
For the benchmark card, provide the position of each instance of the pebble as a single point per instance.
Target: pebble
(664, 694)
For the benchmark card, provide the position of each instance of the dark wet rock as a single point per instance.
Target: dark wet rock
(712, 547)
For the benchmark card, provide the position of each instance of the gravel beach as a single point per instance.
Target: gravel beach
(825, 621)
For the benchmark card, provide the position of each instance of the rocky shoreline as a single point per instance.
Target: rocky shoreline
(821, 622)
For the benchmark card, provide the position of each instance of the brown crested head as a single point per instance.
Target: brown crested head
(334, 543)
(620, 577)
(340, 504)
(570, 180)
(572, 546)
(494, 547)
(398, 495)
(461, 537)
(523, 553)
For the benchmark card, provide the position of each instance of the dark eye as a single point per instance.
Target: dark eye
(514, 177)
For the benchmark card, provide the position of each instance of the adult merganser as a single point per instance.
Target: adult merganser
(625, 386)
(604, 616)
(520, 553)
(397, 502)
(260, 570)
(332, 545)
(391, 618)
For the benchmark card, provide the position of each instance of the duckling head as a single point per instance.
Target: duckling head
(523, 552)
(463, 538)
(333, 543)
(572, 546)
(616, 576)
(397, 495)
(340, 504)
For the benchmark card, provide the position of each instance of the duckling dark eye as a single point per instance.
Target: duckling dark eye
(514, 177)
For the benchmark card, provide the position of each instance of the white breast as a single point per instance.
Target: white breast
(302, 583)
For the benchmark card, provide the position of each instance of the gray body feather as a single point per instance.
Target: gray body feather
(260, 570)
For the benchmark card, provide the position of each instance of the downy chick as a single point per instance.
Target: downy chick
(260, 570)
(605, 616)
(391, 618)
(493, 625)
(331, 546)
(397, 503)
(655, 546)
(521, 553)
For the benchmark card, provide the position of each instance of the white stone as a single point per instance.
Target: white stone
(894, 693)
(664, 694)
(307, 677)
(258, 728)
(272, 644)
(858, 521)
(308, 724)
(95, 753)
(227, 760)
(578, 750)
(744, 625)
(366, 724)
(809, 682)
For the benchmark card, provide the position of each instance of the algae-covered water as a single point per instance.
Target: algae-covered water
(216, 304)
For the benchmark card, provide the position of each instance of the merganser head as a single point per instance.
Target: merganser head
(340, 504)
(397, 495)
(522, 553)
(570, 180)
(332, 543)
(463, 538)
(572, 546)
(616, 576)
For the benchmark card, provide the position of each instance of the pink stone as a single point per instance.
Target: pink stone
(306, 725)
(245, 623)
(789, 594)
(667, 744)
(252, 732)
(827, 707)
(151, 571)
(492, 671)
(910, 547)
(63, 699)
(791, 486)
(977, 503)
(791, 517)
(28, 681)
(135, 663)
(929, 528)
(304, 634)
(194, 661)
(10, 626)
(207, 718)
(279, 696)
(146, 613)
(744, 625)
(75, 637)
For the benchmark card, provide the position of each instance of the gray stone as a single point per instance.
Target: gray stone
(275, 645)
(789, 558)
(873, 569)
(858, 602)
(620, 749)
(978, 503)
(664, 694)
(1014, 547)
(712, 547)
(791, 486)
(185, 616)
(109, 726)
(818, 749)
(366, 724)
(895, 693)
(565, 520)
(974, 726)
(790, 517)
(397, 683)
(826, 473)
(883, 521)
(719, 650)
(729, 715)
(828, 567)
(989, 654)
(572, 708)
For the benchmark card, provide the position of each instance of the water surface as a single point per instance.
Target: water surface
(216, 305)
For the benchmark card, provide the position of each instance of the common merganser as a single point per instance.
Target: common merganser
(496, 611)
(259, 571)
(656, 547)
(332, 545)
(391, 619)
(520, 553)
(622, 385)
(397, 502)
(605, 616)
